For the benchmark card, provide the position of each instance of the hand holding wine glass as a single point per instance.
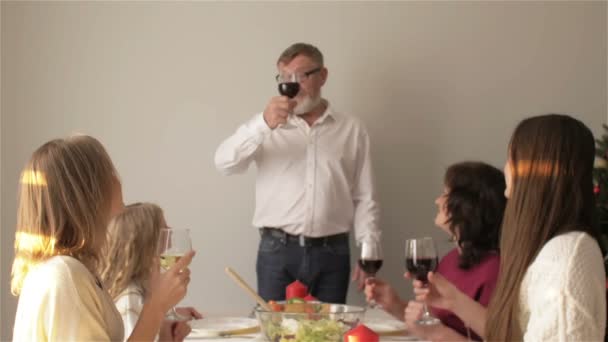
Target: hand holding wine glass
(438, 291)
(420, 259)
(277, 111)
(280, 107)
(174, 244)
(168, 288)
(370, 262)
(377, 290)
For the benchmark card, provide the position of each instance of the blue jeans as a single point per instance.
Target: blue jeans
(324, 268)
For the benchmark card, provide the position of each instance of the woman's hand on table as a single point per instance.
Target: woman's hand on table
(174, 331)
(435, 333)
(189, 312)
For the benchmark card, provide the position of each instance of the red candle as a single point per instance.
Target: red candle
(296, 289)
(310, 298)
(361, 333)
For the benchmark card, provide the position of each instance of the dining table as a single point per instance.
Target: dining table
(373, 317)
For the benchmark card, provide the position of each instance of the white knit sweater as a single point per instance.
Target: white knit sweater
(563, 294)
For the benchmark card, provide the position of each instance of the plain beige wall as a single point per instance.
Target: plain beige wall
(161, 84)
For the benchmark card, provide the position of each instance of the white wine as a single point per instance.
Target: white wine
(168, 260)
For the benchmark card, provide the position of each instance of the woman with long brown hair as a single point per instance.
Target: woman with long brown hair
(551, 285)
(68, 193)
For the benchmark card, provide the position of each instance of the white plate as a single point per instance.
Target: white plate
(217, 326)
(384, 326)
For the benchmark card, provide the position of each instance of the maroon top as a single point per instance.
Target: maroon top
(478, 282)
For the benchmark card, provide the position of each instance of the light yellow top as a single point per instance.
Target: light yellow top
(62, 301)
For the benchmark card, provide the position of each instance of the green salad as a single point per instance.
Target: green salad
(292, 330)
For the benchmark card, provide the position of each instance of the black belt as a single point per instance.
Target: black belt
(303, 240)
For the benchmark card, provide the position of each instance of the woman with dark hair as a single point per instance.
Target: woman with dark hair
(470, 210)
(551, 285)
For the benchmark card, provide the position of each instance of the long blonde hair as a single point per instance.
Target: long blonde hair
(65, 199)
(552, 194)
(132, 246)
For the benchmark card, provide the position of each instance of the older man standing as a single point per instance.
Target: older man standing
(314, 184)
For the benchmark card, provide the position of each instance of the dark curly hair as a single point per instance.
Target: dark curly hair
(475, 205)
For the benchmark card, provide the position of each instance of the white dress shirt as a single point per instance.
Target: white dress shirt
(312, 180)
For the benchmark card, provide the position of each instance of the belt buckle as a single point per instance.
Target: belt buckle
(302, 240)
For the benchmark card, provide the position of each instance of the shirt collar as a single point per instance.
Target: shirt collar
(329, 114)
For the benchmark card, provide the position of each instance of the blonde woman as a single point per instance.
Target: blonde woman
(131, 260)
(69, 191)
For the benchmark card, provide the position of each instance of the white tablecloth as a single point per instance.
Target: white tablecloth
(375, 314)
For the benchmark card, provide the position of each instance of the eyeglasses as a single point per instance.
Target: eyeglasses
(299, 77)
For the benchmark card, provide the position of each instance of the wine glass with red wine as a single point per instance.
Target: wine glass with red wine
(370, 262)
(420, 259)
(289, 86)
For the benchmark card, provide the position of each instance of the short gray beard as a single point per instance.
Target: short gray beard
(307, 105)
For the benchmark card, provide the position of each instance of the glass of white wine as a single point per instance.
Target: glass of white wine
(173, 244)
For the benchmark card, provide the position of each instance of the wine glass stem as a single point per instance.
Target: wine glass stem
(372, 303)
(176, 316)
(426, 312)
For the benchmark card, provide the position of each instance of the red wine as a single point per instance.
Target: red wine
(420, 267)
(370, 266)
(289, 89)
